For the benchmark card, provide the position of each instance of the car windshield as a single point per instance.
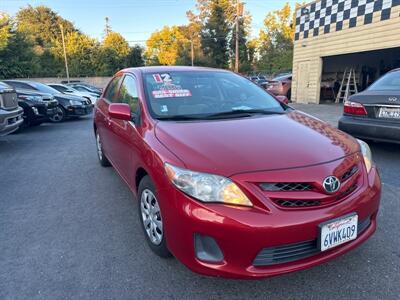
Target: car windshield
(44, 88)
(203, 94)
(389, 82)
(283, 77)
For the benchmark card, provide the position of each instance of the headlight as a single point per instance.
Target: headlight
(75, 102)
(206, 187)
(366, 152)
(32, 98)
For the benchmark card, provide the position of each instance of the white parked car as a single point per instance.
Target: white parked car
(69, 90)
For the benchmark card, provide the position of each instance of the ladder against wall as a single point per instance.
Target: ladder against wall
(348, 85)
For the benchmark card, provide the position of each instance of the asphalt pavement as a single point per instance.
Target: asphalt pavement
(69, 230)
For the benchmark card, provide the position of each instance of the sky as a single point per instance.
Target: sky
(134, 19)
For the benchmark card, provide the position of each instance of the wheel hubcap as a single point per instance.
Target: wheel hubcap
(151, 216)
(58, 116)
(99, 151)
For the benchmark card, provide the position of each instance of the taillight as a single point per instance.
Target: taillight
(354, 108)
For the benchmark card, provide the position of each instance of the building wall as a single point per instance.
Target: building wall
(366, 31)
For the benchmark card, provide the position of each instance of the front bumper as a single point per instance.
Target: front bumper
(10, 120)
(79, 110)
(367, 128)
(241, 233)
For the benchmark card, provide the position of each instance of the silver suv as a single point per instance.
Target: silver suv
(10, 112)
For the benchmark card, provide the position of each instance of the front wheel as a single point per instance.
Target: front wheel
(100, 153)
(59, 116)
(151, 218)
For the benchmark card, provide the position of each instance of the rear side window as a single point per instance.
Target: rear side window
(389, 82)
(59, 88)
(111, 89)
(128, 93)
(20, 85)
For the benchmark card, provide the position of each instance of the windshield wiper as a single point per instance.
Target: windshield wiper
(180, 118)
(244, 112)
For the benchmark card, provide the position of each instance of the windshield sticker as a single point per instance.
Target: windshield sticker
(176, 93)
(157, 78)
(164, 78)
(164, 109)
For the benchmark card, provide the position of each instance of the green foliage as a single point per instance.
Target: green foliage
(31, 45)
(276, 41)
(215, 34)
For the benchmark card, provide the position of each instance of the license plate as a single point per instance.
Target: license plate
(389, 113)
(338, 231)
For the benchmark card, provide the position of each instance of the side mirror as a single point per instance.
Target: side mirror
(282, 99)
(121, 111)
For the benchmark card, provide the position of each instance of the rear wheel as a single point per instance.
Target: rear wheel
(59, 116)
(100, 154)
(151, 218)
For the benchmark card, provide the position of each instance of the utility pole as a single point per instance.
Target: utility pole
(65, 52)
(107, 27)
(239, 13)
(192, 51)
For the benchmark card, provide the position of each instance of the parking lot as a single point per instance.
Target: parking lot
(69, 229)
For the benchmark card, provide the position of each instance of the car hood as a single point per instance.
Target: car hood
(261, 143)
(33, 93)
(68, 97)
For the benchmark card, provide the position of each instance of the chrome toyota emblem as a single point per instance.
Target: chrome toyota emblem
(331, 184)
(393, 99)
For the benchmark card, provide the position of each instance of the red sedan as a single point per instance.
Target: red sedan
(229, 180)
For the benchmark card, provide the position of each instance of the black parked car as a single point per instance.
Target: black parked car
(68, 105)
(38, 107)
(375, 113)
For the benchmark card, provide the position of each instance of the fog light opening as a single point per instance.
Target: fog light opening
(207, 249)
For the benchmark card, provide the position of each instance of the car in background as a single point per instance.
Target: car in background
(10, 113)
(281, 85)
(68, 105)
(374, 114)
(84, 87)
(228, 179)
(38, 107)
(69, 90)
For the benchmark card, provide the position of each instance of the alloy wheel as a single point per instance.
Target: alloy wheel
(58, 116)
(99, 149)
(151, 217)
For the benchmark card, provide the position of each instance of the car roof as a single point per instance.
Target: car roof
(159, 69)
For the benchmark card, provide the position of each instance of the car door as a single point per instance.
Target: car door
(126, 138)
(103, 119)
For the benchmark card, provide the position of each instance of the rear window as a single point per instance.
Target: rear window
(183, 93)
(389, 82)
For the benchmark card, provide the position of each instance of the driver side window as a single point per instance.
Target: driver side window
(128, 93)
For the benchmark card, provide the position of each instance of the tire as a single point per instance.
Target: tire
(149, 209)
(104, 162)
(60, 116)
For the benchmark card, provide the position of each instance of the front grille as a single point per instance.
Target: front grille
(9, 100)
(349, 173)
(286, 187)
(297, 203)
(293, 252)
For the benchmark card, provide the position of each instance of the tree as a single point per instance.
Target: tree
(215, 32)
(5, 28)
(117, 42)
(16, 56)
(135, 57)
(276, 41)
(80, 52)
(163, 47)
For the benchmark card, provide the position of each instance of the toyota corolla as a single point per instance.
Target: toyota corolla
(229, 180)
